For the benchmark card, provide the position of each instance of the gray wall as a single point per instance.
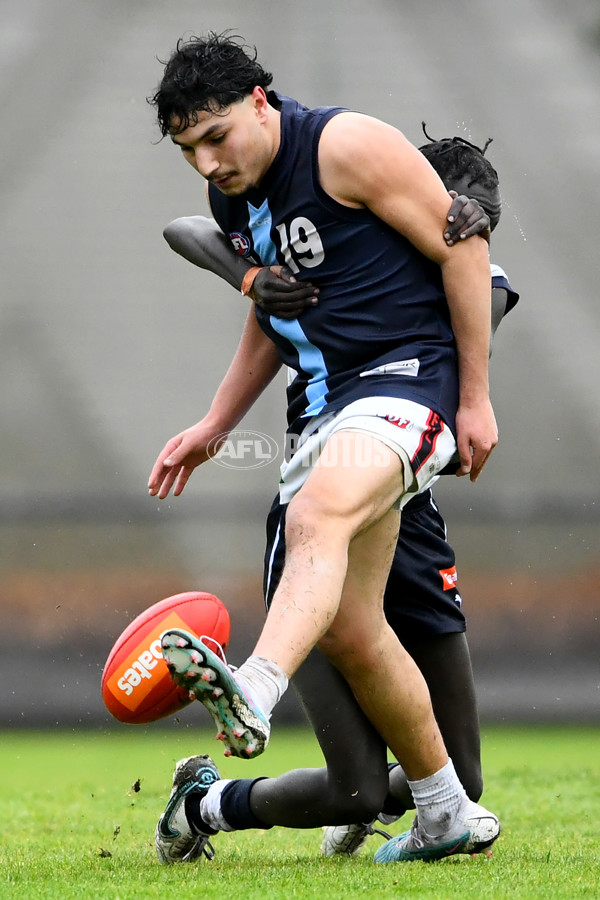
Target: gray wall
(109, 344)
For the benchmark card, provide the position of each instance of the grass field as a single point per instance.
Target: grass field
(73, 826)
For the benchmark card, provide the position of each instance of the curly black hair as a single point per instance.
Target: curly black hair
(207, 74)
(455, 157)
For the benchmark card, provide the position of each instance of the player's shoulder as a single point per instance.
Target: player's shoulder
(361, 151)
(356, 128)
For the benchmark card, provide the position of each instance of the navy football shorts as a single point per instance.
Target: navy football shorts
(421, 598)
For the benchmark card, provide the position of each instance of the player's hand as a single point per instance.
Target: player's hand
(465, 218)
(180, 456)
(277, 292)
(476, 437)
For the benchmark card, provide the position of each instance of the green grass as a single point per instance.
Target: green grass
(72, 826)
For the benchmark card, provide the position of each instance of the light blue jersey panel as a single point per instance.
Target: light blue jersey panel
(310, 360)
(260, 222)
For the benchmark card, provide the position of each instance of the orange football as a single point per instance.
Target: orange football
(136, 685)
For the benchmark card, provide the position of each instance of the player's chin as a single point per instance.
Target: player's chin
(231, 186)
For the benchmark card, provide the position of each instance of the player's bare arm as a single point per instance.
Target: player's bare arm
(200, 240)
(253, 367)
(365, 163)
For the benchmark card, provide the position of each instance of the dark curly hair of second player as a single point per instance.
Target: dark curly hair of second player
(206, 74)
(455, 158)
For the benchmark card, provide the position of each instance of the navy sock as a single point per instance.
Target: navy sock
(235, 804)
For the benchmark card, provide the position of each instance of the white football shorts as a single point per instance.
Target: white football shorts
(419, 436)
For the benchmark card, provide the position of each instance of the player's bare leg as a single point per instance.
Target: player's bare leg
(445, 663)
(384, 678)
(337, 502)
(340, 526)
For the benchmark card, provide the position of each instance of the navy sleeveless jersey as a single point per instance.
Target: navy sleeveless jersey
(382, 324)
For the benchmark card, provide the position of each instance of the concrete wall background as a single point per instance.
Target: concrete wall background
(109, 344)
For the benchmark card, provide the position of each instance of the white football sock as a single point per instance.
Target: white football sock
(438, 798)
(263, 681)
(210, 806)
